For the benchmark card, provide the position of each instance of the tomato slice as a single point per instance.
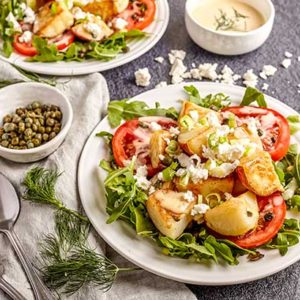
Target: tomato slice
(139, 14)
(274, 128)
(133, 139)
(272, 213)
(28, 49)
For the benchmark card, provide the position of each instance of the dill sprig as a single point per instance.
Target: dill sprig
(40, 188)
(225, 22)
(67, 261)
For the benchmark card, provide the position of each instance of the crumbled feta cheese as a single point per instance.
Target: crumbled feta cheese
(213, 119)
(83, 2)
(26, 37)
(228, 76)
(267, 71)
(250, 79)
(154, 126)
(288, 54)
(160, 176)
(159, 59)
(186, 75)
(199, 209)
(194, 115)
(119, 23)
(252, 124)
(228, 152)
(286, 62)
(142, 77)
(183, 159)
(93, 28)
(161, 157)
(176, 54)
(141, 178)
(78, 13)
(208, 71)
(29, 15)
(167, 141)
(161, 84)
(151, 190)
(180, 172)
(193, 65)
(11, 19)
(228, 196)
(188, 196)
(195, 74)
(224, 169)
(174, 130)
(265, 87)
(197, 173)
(177, 71)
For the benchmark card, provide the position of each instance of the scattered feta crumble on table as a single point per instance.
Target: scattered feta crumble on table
(286, 62)
(250, 79)
(159, 59)
(161, 84)
(142, 77)
(288, 54)
(265, 87)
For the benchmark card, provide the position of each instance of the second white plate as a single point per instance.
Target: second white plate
(137, 48)
(145, 253)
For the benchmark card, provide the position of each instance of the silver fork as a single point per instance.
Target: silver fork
(8, 288)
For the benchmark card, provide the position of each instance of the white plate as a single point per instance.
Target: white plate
(142, 251)
(137, 48)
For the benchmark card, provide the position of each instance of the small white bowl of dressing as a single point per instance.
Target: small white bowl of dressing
(229, 27)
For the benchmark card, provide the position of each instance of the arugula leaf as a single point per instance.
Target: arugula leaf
(125, 110)
(294, 123)
(46, 52)
(253, 95)
(215, 102)
(287, 236)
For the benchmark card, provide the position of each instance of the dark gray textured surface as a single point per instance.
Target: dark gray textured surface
(285, 37)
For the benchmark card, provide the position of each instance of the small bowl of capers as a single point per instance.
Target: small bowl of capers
(34, 120)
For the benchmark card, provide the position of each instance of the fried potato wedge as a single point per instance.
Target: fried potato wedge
(257, 173)
(169, 212)
(51, 25)
(234, 217)
(205, 187)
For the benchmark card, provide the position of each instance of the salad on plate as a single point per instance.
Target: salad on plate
(67, 30)
(211, 182)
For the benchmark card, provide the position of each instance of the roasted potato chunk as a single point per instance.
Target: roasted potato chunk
(258, 174)
(158, 146)
(169, 212)
(234, 217)
(50, 25)
(211, 185)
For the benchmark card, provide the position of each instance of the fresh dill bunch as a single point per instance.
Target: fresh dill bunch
(40, 188)
(4, 83)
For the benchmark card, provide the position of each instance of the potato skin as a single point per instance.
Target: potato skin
(166, 221)
(234, 217)
(158, 146)
(211, 185)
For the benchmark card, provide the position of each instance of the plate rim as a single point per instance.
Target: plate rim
(100, 66)
(225, 282)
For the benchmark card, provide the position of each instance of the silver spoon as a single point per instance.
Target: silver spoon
(9, 212)
(8, 288)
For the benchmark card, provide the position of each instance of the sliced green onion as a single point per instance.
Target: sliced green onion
(213, 199)
(184, 179)
(232, 121)
(212, 143)
(169, 172)
(186, 122)
(203, 121)
(200, 199)
(294, 118)
(172, 148)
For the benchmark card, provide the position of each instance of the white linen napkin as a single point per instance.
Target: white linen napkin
(89, 97)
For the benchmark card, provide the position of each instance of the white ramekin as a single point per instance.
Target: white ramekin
(230, 43)
(22, 94)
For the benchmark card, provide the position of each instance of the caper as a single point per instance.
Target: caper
(27, 138)
(56, 128)
(1, 130)
(34, 127)
(9, 127)
(4, 144)
(42, 121)
(45, 108)
(30, 144)
(5, 136)
(7, 119)
(21, 127)
(38, 136)
(28, 125)
(54, 108)
(50, 122)
(28, 132)
(29, 120)
(58, 115)
(41, 129)
(13, 134)
(10, 146)
(20, 111)
(22, 143)
(15, 141)
(16, 119)
(45, 137)
(36, 104)
(48, 129)
(36, 142)
(52, 135)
